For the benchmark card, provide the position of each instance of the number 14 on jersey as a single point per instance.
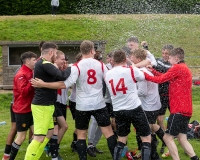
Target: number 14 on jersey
(120, 87)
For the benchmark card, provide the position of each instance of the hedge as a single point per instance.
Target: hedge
(35, 7)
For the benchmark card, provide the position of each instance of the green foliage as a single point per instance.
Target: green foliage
(182, 6)
(35, 7)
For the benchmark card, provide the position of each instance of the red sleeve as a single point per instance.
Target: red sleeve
(156, 73)
(170, 74)
(23, 85)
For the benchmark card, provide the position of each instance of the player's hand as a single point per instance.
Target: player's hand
(196, 128)
(149, 68)
(37, 82)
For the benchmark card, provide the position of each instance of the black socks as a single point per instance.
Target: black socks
(118, 150)
(81, 149)
(160, 133)
(14, 149)
(146, 150)
(53, 146)
(112, 141)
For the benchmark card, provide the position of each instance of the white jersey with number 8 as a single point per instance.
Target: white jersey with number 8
(88, 75)
(121, 83)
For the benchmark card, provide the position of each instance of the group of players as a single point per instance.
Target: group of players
(124, 90)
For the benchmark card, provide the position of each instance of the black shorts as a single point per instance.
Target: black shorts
(62, 108)
(164, 105)
(23, 121)
(177, 123)
(137, 117)
(72, 107)
(12, 114)
(56, 113)
(82, 118)
(110, 109)
(152, 116)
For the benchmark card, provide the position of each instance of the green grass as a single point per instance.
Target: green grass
(158, 30)
(65, 150)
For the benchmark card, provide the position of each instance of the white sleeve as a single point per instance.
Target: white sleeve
(142, 88)
(71, 80)
(138, 75)
(152, 58)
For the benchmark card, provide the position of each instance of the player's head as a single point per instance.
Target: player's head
(99, 50)
(119, 56)
(127, 50)
(138, 55)
(78, 57)
(65, 64)
(40, 45)
(165, 51)
(60, 58)
(111, 58)
(29, 59)
(87, 47)
(133, 43)
(108, 57)
(49, 49)
(98, 56)
(176, 55)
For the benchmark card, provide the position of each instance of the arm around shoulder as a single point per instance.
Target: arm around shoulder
(51, 85)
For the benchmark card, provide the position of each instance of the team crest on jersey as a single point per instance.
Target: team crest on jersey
(24, 125)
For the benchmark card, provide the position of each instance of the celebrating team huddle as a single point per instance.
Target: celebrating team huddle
(111, 96)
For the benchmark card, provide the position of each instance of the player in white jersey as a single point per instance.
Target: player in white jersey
(61, 103)
(107, 96)
(94, 131)
(121, 83)
(108, 60)
(149, 96)
(88, 75)
(72, 107)
(133, 44)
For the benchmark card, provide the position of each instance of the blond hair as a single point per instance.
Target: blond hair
(86, 46)
(139, 54)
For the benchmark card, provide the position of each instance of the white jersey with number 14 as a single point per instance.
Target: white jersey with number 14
(121, 83)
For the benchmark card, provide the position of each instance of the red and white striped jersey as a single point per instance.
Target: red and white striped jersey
(88, 75)
(121, 83)
(62, 96)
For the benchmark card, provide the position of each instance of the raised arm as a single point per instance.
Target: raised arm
(152, 58)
